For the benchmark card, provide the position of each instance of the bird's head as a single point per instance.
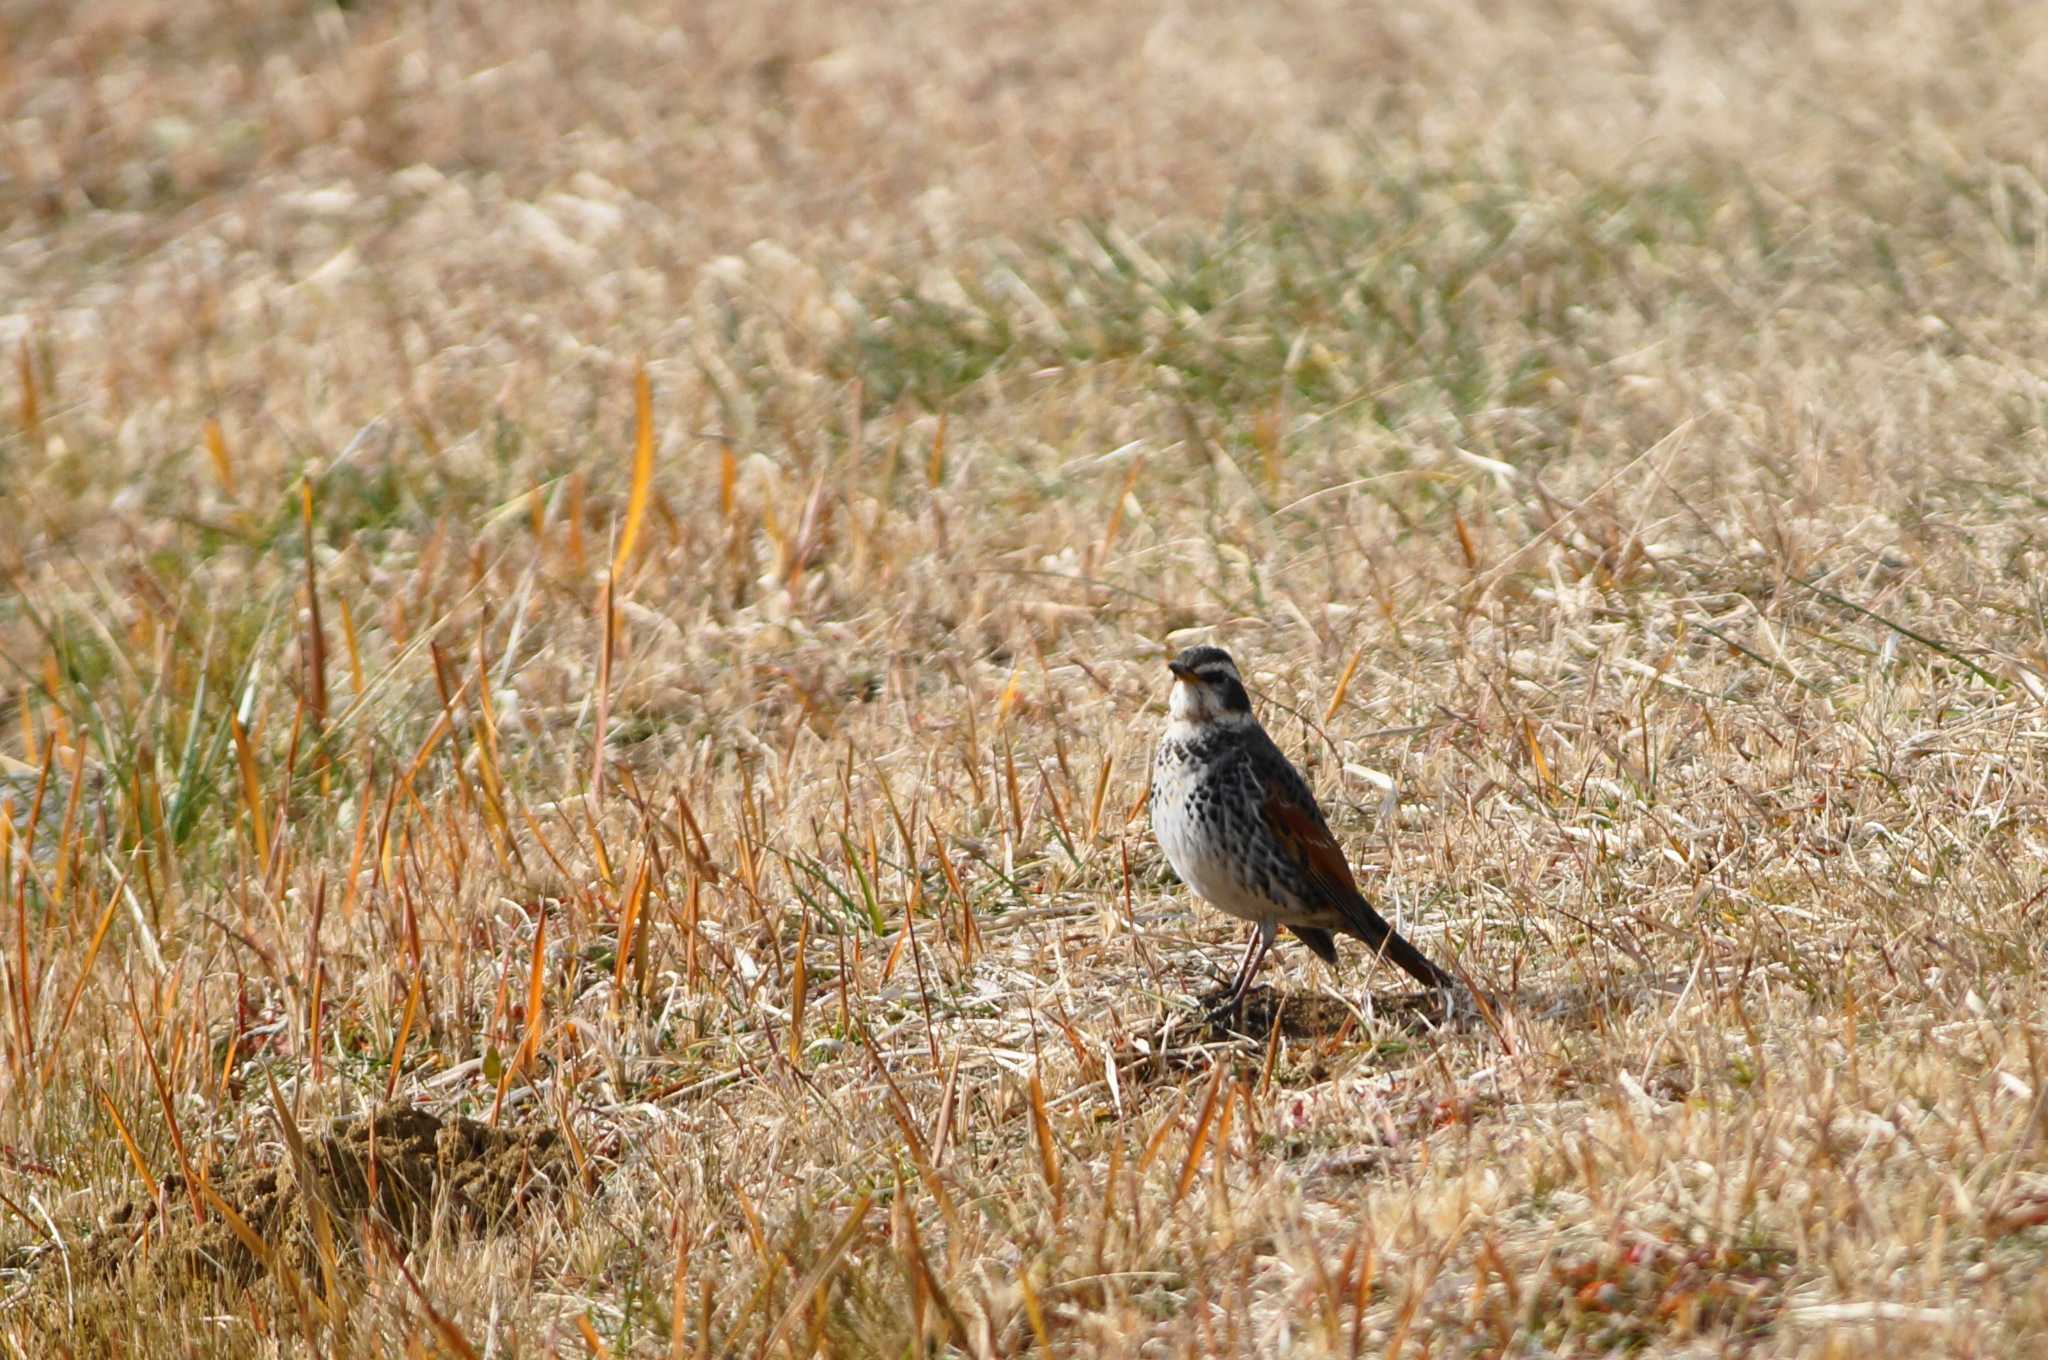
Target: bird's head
(1208, 689)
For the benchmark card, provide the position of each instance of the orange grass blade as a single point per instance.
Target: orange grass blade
(1266, 429)
(535, 986)
(247, 1235)
(1465, 545)
(223, 465)
(899, 1110)
(65, 861)
(252, 791)
(1010, 783)
(643, 469)
(1542, 766)
(1048, 1151)
(451, 1335)
(629, 921)
(591, 1338)
(1222, 1158)
(1344, 683)
(1116, 510)
(355, 856)
(1007, 700)
(128, 1141)
(573, 524)
(412, 1005)
(1200, 1142)
(967, 930)
(935, 473)
(53, 684)
(1101, 791)
(355, 655)
(315, 1194)
(23, 988)
(1138, 804)
(163, 1095)
(1034, 1314)
(92, 953)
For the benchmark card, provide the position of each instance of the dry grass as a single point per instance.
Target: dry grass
(1611, 434)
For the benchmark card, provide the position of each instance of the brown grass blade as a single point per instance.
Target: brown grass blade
(31, 400)
(265, 1254)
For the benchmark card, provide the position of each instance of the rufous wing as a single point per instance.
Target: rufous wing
(1301, 831)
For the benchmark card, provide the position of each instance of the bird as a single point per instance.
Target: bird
(1241, 827)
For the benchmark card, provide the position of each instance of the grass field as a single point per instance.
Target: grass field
(586, 589)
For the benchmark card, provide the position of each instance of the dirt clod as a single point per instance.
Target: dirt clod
(407, 1171)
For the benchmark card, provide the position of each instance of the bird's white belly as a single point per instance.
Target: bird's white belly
(1216, 882)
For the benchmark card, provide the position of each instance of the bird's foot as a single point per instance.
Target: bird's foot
(1221, 1005)
(1252, 1014)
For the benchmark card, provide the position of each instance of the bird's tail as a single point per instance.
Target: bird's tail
(1387, 942)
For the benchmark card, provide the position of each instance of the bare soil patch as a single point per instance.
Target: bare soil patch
(402, 1174)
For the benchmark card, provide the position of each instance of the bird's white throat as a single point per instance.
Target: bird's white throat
(1189, 711)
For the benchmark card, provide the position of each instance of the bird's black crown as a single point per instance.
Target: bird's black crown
(1199, 659)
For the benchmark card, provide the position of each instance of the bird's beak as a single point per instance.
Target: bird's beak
(1180, 672)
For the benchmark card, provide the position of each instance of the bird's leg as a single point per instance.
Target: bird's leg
(1254, 955)
(1241, 979)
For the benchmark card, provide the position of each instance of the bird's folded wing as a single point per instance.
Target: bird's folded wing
(1299, 829)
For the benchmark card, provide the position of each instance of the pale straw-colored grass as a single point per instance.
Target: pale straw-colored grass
(1610, 435)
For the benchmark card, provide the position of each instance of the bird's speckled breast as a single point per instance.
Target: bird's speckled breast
(1203, 805)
